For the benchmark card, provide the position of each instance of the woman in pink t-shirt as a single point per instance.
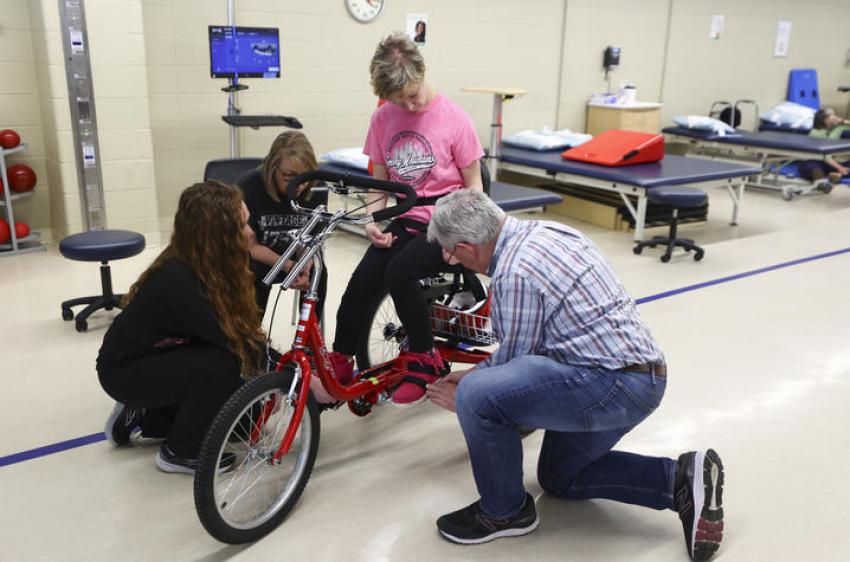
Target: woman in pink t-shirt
(426, 141)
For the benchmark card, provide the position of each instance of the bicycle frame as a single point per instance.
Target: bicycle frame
(309, 343)
(368, 384)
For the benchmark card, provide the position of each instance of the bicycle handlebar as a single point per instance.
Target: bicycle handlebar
(401, 207)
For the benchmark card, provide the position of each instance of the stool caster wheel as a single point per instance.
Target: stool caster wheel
(665, 258)
(67, 314)
(788, 194)
(82, 325)
(699, 255)
(826, 187)
(637, 250)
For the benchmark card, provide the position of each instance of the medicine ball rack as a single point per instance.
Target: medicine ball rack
(30, 243)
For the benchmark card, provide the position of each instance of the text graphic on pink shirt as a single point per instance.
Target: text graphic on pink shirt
(410, 156)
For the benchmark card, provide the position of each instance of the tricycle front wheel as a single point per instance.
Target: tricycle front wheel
(254, 493)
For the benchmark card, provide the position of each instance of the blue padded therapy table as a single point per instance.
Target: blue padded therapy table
(507, 196)
(634, 180)
(771, 150)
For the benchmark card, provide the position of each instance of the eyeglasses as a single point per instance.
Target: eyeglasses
(287, 174)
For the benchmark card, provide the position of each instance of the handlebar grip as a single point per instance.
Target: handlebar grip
(403, 205)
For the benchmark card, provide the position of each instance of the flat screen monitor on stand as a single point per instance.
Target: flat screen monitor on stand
(246, 52)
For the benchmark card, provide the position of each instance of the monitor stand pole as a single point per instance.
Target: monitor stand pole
(231, 90)
(233, 87)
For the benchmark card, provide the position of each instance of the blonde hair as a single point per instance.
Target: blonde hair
(396, 66)
(291, 145)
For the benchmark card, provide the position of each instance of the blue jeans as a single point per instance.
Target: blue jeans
(584, 412)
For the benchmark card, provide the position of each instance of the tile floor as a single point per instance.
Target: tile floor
(759, 370)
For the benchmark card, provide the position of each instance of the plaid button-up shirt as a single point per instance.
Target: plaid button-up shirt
(554, 294)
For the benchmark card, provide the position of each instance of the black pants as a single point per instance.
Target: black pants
(263, 291)
(181, 391)
(807, 168)
(398, 268)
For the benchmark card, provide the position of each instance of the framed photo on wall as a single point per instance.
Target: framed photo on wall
(417, 27)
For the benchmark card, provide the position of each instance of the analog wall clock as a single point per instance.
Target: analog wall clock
(365, 11)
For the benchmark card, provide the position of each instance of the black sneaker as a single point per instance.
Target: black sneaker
(698, 497)
(122, 421)
(470, 526)
(168, 461)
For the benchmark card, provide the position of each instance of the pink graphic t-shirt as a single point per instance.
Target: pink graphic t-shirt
(425, 150)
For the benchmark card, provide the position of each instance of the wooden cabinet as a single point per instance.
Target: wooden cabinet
(639, 116)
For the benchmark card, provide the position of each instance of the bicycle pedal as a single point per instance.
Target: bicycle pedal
(329, 406)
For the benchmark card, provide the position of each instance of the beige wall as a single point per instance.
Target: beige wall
(35, 101)
(639, 28)
(741, 64)
(65, 216)
(325, 81)
(119, 68)
(689, 71)
(160, 113)
(20, 108)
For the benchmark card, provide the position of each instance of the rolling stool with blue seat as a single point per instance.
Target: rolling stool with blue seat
(676, 198)
(102, 246)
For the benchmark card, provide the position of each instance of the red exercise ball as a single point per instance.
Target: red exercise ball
(21, 178)
(5, 233)
(22, 229)
(9, 138)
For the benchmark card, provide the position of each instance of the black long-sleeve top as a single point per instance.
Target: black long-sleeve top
(170, 305)
(271, 220)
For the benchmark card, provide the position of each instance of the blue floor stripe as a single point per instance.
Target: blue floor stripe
(97, 437)
(689, 288)
(54, 448)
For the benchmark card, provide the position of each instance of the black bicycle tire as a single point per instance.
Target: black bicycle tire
(219, 431)
(362, 351)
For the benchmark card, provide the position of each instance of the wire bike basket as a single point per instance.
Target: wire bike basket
(462, 326)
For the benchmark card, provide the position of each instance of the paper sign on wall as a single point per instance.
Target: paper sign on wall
(77, 44)
(416, 28)
(89, 160)
(718, 26)
(783, 39)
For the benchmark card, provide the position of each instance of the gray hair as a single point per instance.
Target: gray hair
(396, 66)
(467, 215)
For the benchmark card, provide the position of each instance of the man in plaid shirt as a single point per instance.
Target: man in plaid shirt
(574, 359)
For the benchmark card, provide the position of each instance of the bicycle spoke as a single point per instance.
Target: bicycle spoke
(255, 476)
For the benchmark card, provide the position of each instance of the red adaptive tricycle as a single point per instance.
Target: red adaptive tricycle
(270, 426)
